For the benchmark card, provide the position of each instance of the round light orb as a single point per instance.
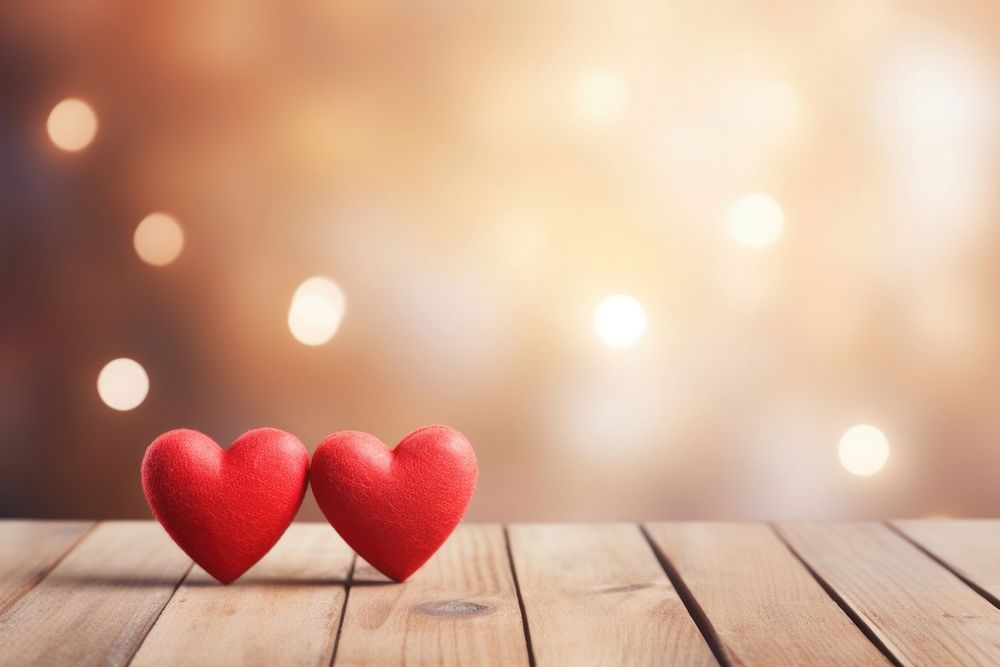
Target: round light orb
(122, 384)
(72, 124)
(158, 239)
(600, 97)
(620, 321)
(317, 310)
(863, 450)
(755, 220)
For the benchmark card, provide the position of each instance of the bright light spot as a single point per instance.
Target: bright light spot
(72, 124)
(317, 310)
(863, 450)
(158, 239)
(935, 110)
(620, 321)
(601, 97)
(933, 91)
(755, 220)
(123, 384)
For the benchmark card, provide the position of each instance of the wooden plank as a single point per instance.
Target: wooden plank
(595, 594)
(920, 611)
(284, 611)
(763, 605)
(99, 602)
(29, 549)
(969, 547)
(461, 607)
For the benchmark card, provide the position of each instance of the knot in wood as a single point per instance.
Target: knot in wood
(453, 609)
(628, 588)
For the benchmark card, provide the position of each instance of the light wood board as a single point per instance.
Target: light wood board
(763, 605)
(920, 611)
(461, 608)
(596, 594)
(29, 549)
(284, 611)
(970, 548)
(96, 606)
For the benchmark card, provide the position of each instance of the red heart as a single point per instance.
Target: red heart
(225, 508)
(395, 507)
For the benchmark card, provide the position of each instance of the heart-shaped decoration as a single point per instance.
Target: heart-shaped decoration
(225, 508)
(395, 507)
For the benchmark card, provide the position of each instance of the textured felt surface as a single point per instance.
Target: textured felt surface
(395, 507)
(225, 508)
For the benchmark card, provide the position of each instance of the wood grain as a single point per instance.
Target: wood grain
(460, 608)
(763, 605)
(591, 594)
(970, 547)
(29, 549)
(285, 610)
(98, 603)
(595, 594)
(920, 611)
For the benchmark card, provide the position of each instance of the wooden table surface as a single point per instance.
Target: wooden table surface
(905, 592)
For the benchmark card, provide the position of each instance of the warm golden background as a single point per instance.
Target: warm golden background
(478, 177)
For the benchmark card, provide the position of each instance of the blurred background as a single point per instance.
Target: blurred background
(655, 259)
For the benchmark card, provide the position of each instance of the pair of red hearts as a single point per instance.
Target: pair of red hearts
(227, 508)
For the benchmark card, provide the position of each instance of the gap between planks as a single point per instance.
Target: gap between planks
(99, 602)
(920, 611)
(285, 609)
(520, 597)
(343, 608)
(596, 594)
(180, 582)
(872, 636)
(753, 600)
(962, 546)
(64, 536)
(694, 609)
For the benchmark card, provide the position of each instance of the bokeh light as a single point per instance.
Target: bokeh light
(620, 321)
(123, 384)
(755, 220)
(317, 310)
(72, 124)
(863, 450)
(935, 109)
(933, 91)
(600, 97)
(158, 239)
